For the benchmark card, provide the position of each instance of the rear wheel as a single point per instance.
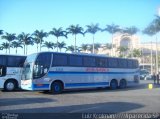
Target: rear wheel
(123, 84)
(113, 84)
(56, 88)
(10, 85)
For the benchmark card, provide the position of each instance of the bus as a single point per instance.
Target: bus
(56, 72)
(10, 71)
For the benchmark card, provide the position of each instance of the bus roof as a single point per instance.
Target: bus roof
(85, 54)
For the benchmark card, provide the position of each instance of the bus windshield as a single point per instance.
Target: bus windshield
(28, 67)
(36, 66)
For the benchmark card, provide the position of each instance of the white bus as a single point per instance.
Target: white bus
(10, 71)
(59, 71)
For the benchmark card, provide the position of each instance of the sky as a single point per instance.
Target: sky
(18, 16)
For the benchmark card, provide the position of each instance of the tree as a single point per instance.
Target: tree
(36, 41)
(136, 53)
(70, 48)
(58, 33)
(26, 40)
(112, 29)
(1, 32)
(61, 45)
(93, 28)
(39, 35)
(74, 30)
(122, 51)
(5, 46)
(9, 37)
(16, 45)
(84, 47)
(48, 45)
(131, 31)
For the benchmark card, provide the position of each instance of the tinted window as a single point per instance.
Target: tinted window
(135, 64)
(89, 61)
(112, 62)
(130, 64)
(41, 65)
(59, 60)
(2, 60)
(122, 63)
(15, 61)
(75, 60)
(101, 62)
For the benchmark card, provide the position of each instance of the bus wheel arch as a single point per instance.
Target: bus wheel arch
(113, 84)
(123, 83)
(57, 87)
(10, 85)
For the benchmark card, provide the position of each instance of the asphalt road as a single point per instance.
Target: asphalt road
(130, 100)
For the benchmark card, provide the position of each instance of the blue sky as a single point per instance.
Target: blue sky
(18, 16)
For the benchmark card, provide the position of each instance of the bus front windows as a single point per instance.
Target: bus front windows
(41, 66)
(27, 71)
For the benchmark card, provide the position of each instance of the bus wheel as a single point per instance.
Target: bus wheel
(57, 88)
(123, 84)
(10, 85)
(113, 84)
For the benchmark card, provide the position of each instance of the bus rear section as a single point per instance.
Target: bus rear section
(59, 71)
(10, 71)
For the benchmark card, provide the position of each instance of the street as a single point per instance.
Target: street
(137, 99)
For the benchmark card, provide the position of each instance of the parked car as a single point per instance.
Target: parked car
(143, 74)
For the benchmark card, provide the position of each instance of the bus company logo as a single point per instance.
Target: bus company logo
(97, 69)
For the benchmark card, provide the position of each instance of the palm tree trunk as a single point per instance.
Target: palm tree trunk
(112, 45)
(57, 44)
(9, 47)
(75, 44)
(6, 50)
(37, 47)
(24, 49)
(16, 50)
(40, 44)
(93, 44)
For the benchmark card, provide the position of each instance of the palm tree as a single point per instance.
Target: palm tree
(84, 47)
(5, 46)
(1, 32)
(36, 41)
(61, 45)
(93, 28)
(9, 38)
(48, 45)
(131, 31)
(136, 53)
(122, 51)
(112, 29)
(74, 30)
(58, 33)
(39, 35)
(70, 48)
(26, 40)
(16, 45)
(152, 29)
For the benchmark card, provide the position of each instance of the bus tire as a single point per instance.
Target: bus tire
(122, 84)
(113, 84)
(10, 85)
(56, 87)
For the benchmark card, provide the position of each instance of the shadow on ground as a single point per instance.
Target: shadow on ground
(21, 101)
(107, 107)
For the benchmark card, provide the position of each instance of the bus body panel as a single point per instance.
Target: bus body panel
(13, 69)
(75, 76)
